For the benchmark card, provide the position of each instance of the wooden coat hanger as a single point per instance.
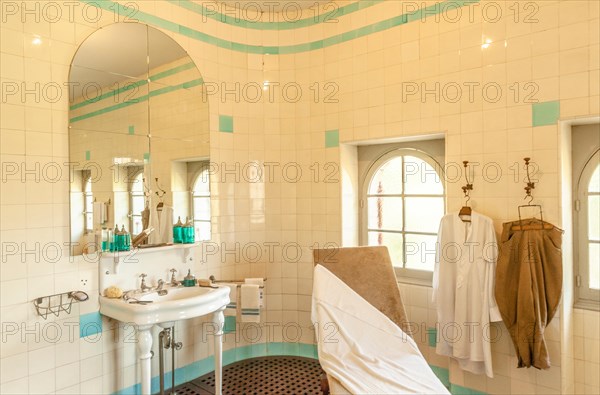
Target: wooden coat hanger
(466, 211)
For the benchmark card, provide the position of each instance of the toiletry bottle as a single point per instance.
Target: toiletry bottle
(189, 280)
(105, 239)
(178, 231)
(188, 232)
(126, 239)
(110, 237)
(117, 239)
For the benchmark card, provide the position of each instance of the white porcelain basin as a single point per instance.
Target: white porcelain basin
(178, 304)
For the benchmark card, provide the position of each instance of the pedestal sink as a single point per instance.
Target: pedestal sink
(178, 303)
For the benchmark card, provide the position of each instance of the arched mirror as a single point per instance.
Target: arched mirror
(138, 128)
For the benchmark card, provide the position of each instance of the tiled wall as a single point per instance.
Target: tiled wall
(586, 350)
(354, 74)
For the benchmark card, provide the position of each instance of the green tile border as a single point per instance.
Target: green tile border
(206, 365)
(109, 5)
(328, 16)
(230, 324)
(226, 123)
(546, 113)
(432, 337)
(133, 85)
(332, 138)
(141, 99)
(88, 155)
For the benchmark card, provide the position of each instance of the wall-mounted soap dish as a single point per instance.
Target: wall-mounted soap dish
(54, 304)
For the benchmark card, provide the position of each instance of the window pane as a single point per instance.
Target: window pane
(594, 185)
(137, 204)
(424, 214)
(421, 178)
(137, 184)
(594, 261)
(393, 241)
(420, 252)
(388, 179)
(89, 221)
(201, 208)
(594, 217)
(202, 185)
(202, 230)
(137, 225)
(385, 213)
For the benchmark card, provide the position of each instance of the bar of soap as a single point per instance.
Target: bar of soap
(113, 292)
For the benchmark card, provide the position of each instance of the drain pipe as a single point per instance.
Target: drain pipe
(166, 340)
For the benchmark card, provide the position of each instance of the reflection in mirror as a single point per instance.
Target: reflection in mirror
(139, 138)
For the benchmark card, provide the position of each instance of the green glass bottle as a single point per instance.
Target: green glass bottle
(178, 231)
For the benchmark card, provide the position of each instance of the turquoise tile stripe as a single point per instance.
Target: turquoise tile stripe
(442, 374)
(133, 85)
(328, 15)
(432, 337)
(422, 13)
(332, 138)
(230, 324)
(90, 324)
(206, 365)
(143, 98)
(546, 113)
(226, 123)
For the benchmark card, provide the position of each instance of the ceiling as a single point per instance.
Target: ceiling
(120, 52)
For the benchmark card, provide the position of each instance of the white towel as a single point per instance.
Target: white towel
(162, 222)
(260, 282)
(250, 302)
(99, 214)
(231, 309)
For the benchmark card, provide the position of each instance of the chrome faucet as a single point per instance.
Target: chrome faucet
(174, 282)
(159, 285)
(143, 286)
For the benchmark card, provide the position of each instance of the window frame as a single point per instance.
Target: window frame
(203, 169)
(87, 178)
(586, 297)
(414, 276)
(133, 194)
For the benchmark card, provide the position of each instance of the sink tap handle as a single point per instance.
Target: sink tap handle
(173, 279)
(160, 284)
(143, 285)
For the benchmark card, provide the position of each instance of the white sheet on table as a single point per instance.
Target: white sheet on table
(361, 347)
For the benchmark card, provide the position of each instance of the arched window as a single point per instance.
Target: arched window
(402, 205)
(88, 203)
(136, 203)
(201, 205)
(588, 230)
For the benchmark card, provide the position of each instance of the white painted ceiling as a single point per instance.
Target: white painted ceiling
(120, 52)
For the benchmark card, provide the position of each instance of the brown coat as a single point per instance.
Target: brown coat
(528, 287)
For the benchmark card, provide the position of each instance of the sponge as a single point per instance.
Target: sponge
(113, 292)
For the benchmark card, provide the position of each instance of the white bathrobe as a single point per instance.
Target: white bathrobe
(361, 348)
(463, 290)
(162, 222)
